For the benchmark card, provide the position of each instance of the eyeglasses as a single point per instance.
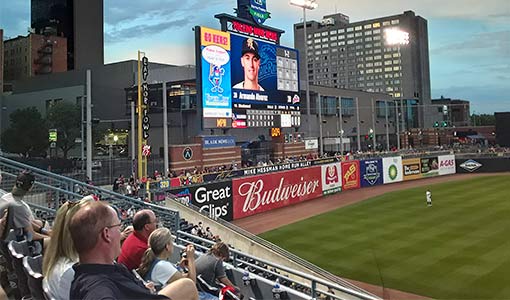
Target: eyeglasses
(114, 225)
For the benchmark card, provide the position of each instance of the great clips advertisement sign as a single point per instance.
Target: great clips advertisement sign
(371, 172)
(213, 198)
(256, 194)
(350, 175)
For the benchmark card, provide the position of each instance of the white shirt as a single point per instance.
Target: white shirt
(162, 271)
(428, 195)
(58, 282)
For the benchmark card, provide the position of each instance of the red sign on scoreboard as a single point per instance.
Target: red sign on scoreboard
(350, 175)
(256, 194)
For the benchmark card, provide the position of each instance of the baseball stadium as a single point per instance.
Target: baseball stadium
(326, 229)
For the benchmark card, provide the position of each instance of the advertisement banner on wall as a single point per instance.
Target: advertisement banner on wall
(213, 198)
(446, 164)
(331, 176)
(411, 168)
(429, 166)
(371, 172)
(216, 84)
(392, 169)
(350, 175)
(256, 194)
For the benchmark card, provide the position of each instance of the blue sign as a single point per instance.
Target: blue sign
(371, 172)
(219, 141)
(258, 11)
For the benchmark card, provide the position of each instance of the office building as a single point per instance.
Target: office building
(34, 54)
(81, 22)
(454, 112)
(357, 56)
(1, 61)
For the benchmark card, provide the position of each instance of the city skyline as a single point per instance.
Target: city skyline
(469, 41)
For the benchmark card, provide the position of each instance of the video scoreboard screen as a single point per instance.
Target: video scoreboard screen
(247, 83)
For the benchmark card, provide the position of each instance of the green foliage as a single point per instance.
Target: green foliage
(456, 249)
(65, 117)
(483, 120)
(27, 134)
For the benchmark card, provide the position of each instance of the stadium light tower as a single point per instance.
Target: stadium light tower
(306, 4)
(397, 37)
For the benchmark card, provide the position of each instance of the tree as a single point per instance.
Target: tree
(483, 120)
(27, 134)
(65, 117)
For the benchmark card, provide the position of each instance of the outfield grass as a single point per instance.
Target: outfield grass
(457, 249)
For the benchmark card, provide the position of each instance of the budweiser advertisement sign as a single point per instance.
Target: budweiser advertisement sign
(350, 175)
(256, 194)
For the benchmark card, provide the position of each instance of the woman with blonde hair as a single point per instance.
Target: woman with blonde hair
(155, 266)
(60, 255)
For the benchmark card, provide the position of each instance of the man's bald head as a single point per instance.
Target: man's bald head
(87, 223)
(142, 218)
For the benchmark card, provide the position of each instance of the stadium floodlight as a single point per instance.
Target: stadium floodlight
(396, 37)
(306, 4)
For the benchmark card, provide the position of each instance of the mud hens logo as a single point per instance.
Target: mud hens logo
(372, 173)
(331, 174)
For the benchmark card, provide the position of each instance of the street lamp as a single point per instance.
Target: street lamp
(395, 36)
(306, 4)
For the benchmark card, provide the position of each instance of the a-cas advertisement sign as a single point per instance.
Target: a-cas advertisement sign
(446, 164)
(331, 175)
(256, 194)
(350, 175)
(392, 167)
(411, 168)
(213, 198)
(371, 172)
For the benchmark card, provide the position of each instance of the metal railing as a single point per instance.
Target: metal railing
(50, 190)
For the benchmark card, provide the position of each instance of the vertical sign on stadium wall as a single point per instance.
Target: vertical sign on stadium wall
(429, 166)
(256, 194)
(216, 86)
(371, 172)
(331, 176)
(392, 169)
(411, 168)
(350, 175)
(213, 198)
(446, 164)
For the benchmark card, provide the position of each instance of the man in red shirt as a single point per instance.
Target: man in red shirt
(144, 223)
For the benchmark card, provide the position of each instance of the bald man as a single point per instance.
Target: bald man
(95, 231)
(144, 223)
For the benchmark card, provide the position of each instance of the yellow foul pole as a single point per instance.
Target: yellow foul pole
(139, 110)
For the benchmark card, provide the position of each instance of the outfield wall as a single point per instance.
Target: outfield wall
(236, 198)
(482, 165)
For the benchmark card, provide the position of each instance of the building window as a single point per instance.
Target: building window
(329, 105)
(394, 22)
(376, 25)
(386, 23)
(358, 34)
(332, 32)
(348, 107)
(350, 35)
(350, 29)
(357, 28)
(324, 33)
(377, 31)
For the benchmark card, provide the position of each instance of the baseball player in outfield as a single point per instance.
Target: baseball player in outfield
(428, 195)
